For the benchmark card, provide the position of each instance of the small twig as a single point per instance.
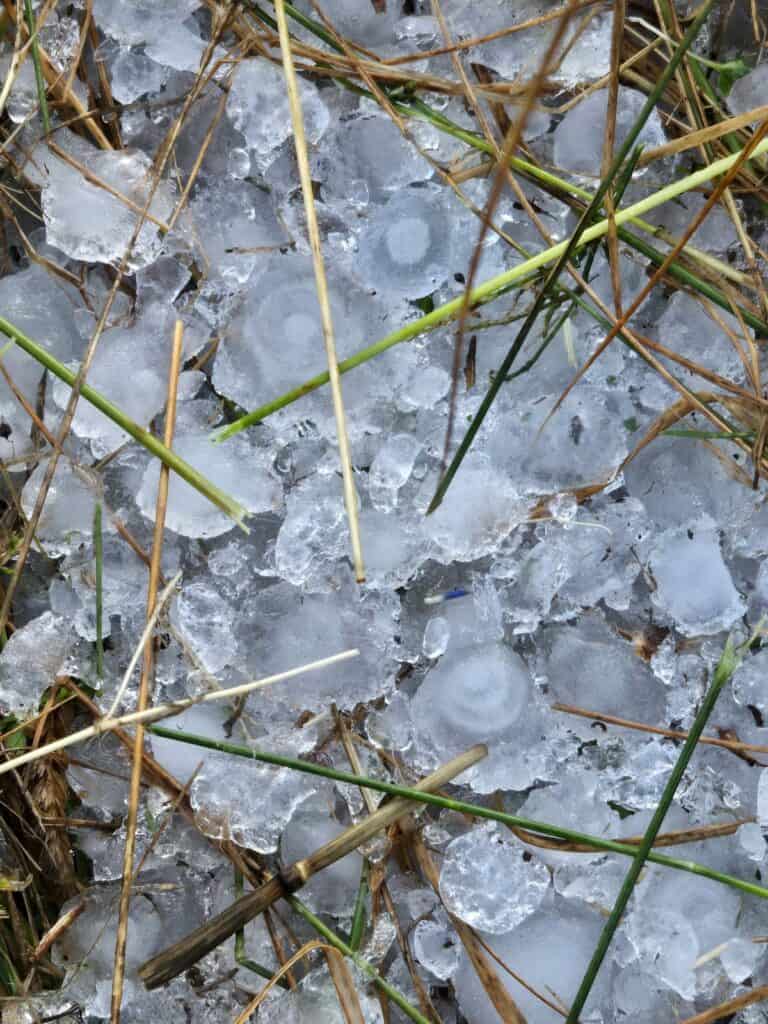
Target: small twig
(674, 734)
(56, 930)
(724, 1011)
(98, 551)
(350, 493)
(279, 976)
(153, 606)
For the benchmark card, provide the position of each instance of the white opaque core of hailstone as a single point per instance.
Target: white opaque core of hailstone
(408, 240)
(299, 326)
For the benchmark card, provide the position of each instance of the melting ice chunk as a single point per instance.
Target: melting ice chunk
(551, 948)
(370, 150)
(70, 501)
(473, 865)
(750, 91)
(391, 468)
(258, 107)
(589, 665)
(88, 222)
(693, 584)
(235, 467)
(331, 891)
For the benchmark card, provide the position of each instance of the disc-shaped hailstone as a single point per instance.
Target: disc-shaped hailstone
(406, 248)
(275, 340)
(67, 515)
(472, 867)
(473, 695)
(237, 469)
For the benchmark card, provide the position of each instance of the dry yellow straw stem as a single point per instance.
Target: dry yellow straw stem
(350, 494)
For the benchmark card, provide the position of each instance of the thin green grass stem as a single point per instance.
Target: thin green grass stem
(368, 969)
(475, 810)
(42, 99)
(146, 439)
(358, 915)
(725, 669)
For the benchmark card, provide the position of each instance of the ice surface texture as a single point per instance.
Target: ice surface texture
(517, 593)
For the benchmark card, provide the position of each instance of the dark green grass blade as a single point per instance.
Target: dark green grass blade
(358, 916)
(725, 669)
(37, 63)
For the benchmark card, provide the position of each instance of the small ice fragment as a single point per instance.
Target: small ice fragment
(739, 958)
(241, 471)
(579, 136)
(693, 584)
(437, 947)
(88, 222)
(258, 107)
(333, 890)
(68, 511)
(31, 660)
(550, 948)
(751, 841)
(750, 91)
(469, 878)
(391, 468)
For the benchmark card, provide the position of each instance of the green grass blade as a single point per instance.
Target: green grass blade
(37, 63)
(146, 439)
(562, 258)
(98, 551)
(475, 810)
(368, 969)
(725, 669)
(358, 915)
